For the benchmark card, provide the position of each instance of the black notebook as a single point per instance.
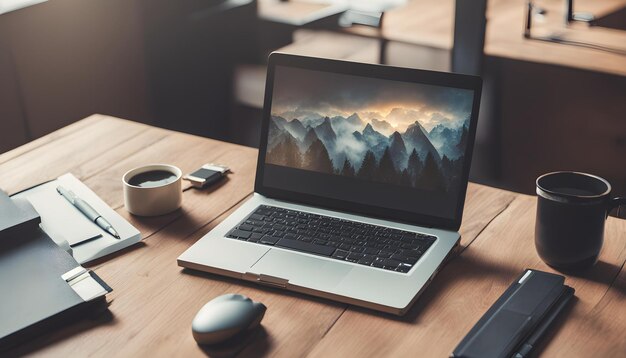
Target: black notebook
(42, 285)
(518, 319)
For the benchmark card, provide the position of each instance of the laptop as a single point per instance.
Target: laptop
(360, 183)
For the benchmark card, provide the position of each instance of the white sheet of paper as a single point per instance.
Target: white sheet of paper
(61, 220)
(12, 5)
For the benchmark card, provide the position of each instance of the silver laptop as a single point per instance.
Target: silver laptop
(360, 183)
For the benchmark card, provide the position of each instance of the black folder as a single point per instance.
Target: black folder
(518, 318)
(42, 285)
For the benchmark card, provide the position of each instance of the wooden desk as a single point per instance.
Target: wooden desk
(504, 39)
(430, 23)
(154, 300)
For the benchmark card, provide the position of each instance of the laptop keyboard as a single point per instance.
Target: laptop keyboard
(340, 239)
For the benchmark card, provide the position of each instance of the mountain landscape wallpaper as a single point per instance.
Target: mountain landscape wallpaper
(378, 130)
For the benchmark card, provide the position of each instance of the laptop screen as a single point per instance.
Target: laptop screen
(394, 145)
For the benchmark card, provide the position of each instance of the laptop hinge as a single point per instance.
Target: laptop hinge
(266, 279)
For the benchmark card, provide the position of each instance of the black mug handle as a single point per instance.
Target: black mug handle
(615, 203)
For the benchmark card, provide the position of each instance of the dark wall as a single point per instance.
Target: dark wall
(161, 62)
(74, 58)
(12, 123)
(192, 47)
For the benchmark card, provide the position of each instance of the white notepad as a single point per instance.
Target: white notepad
(64, 223)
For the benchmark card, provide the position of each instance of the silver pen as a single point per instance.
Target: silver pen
(88, 211)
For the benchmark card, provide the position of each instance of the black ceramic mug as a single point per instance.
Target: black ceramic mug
(571, 210)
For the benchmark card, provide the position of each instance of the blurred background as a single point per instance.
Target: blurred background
(555, 70)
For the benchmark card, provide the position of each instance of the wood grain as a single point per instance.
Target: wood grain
(45, 162)
(46, 139)
(601, 333)
(154, 300)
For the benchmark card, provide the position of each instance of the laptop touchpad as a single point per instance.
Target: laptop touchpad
(302, 270)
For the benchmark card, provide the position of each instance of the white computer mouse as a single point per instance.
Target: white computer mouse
(226, 316)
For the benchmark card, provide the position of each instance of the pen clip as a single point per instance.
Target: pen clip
(67, 194)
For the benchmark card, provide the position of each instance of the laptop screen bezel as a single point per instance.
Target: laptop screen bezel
(473, 83)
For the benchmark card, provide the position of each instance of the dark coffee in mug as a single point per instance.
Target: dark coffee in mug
(571, 210)
(152, 179)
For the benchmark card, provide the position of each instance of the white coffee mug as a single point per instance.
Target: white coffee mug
(154, 200)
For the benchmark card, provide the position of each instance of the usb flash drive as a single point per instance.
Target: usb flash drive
(207, 175)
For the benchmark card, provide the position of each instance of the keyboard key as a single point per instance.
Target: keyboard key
(340, 254)
(378, 262)
(404, 259)
(245, 227)
(404, 268)
(427, 237)
(410, 246)
(366, 260)
(357, 249)
(345, 247)
(354, 257)
(256, 217)
(371, 251)
(391, 263)
(290, 237)
(255, 237)
(408, 253)
(241, 234)
(269, 240)
(424, 243)
(305, 247)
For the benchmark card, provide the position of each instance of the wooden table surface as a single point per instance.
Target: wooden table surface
(154, 300)
(430, 23)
